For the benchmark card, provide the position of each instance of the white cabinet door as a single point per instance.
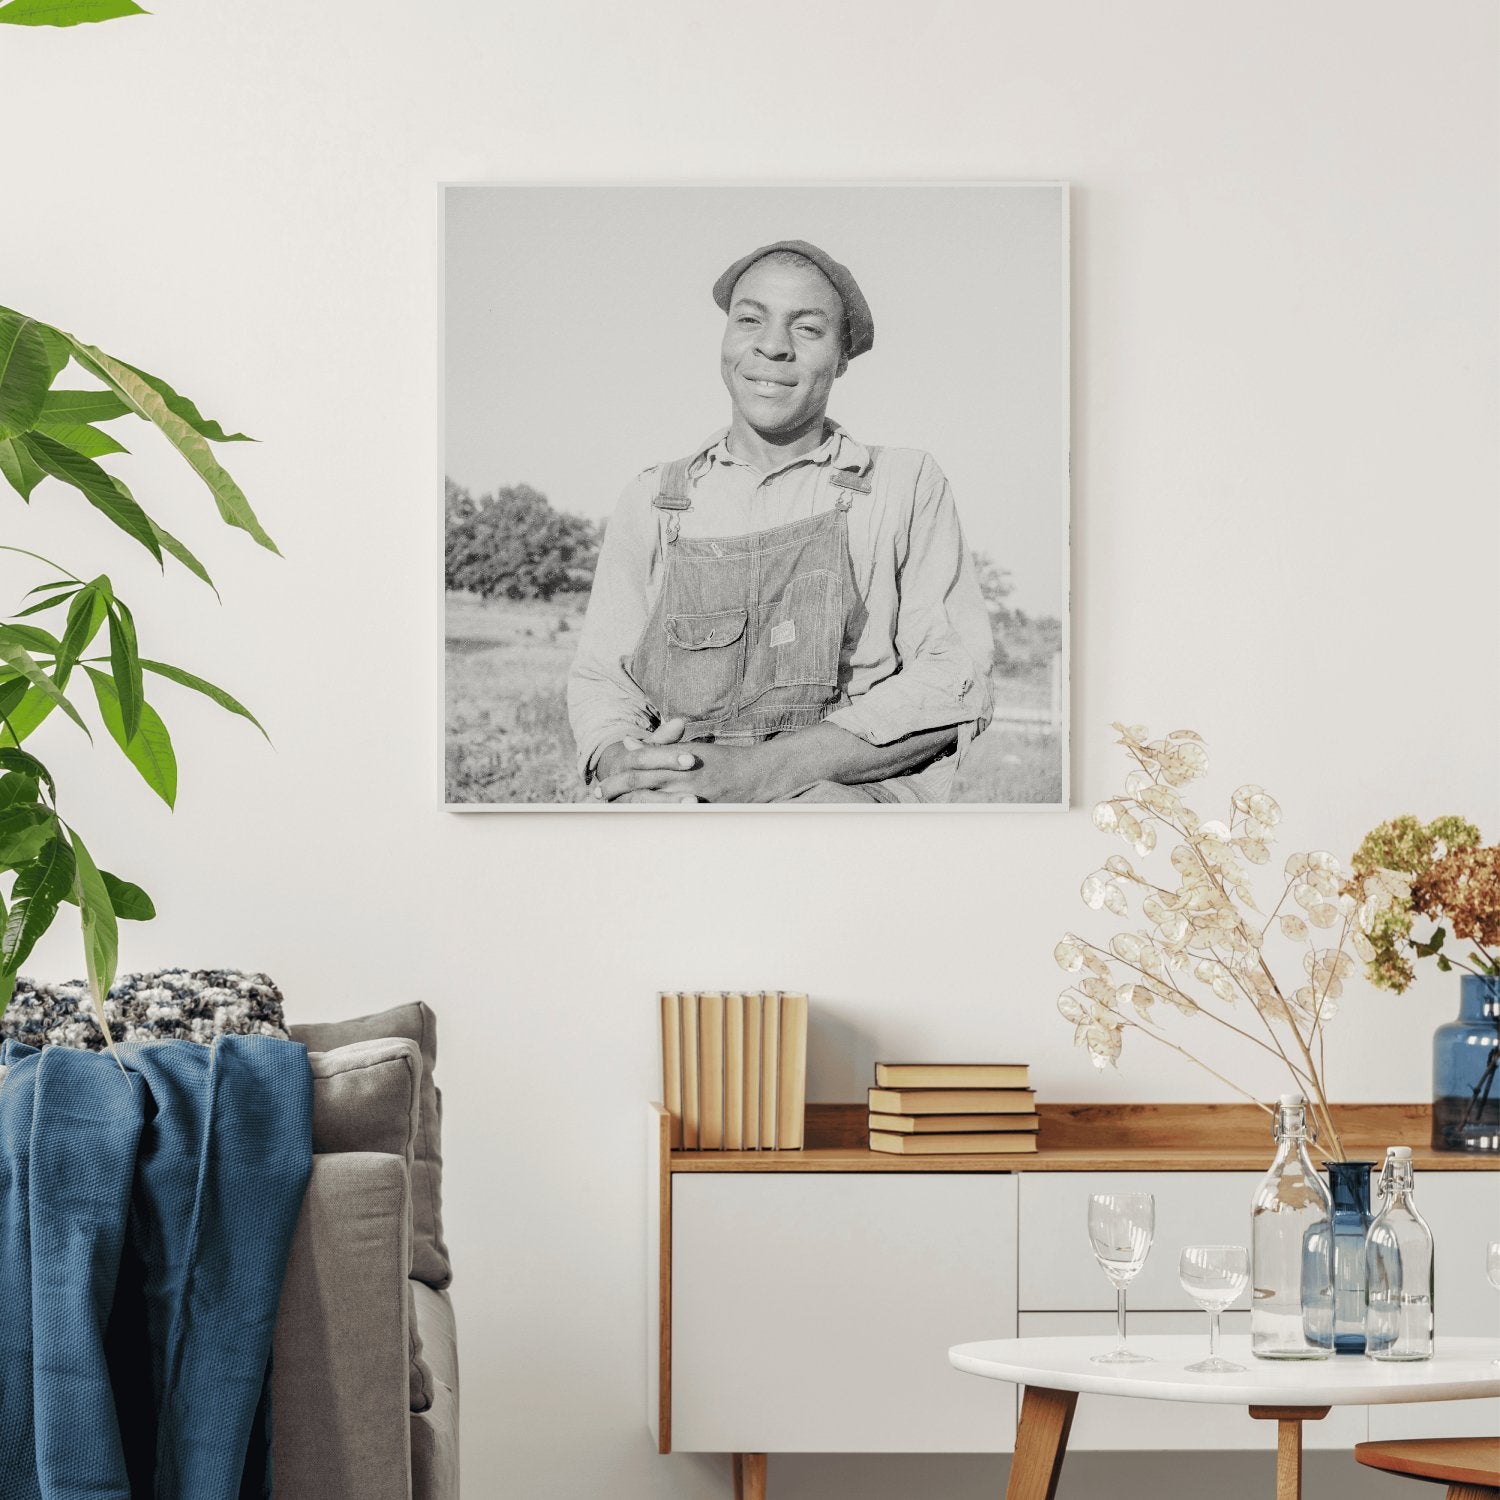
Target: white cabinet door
(814, 1312)
(1058, 1269)
(1119, 1423)
(1463, 1209)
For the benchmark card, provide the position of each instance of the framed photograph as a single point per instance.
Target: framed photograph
(755, 497)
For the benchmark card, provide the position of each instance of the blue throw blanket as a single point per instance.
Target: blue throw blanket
(145, 1221)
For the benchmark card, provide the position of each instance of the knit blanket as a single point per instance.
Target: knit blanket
(146, 1216)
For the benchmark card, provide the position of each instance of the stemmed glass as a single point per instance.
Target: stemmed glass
(1120, 1229)
(1213, 1276)
(1492, 1267)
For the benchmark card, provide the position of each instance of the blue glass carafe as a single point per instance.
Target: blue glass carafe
(1466, 1071)
(1349, 1183)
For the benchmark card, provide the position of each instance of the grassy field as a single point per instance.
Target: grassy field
(507, 721)
(507, 714)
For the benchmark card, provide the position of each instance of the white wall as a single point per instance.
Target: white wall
(1285, 227)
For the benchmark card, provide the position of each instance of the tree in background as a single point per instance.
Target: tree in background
(514, 545)
(1024, 643)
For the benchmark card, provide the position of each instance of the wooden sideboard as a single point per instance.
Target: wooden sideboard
(759, 1262)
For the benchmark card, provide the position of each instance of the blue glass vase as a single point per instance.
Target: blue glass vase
(1466, 1071)
(1349, 1183)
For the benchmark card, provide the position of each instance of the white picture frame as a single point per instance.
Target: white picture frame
(561, 307)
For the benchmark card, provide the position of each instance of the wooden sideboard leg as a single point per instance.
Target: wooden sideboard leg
(1289, 1420)
(1041, 1442)
(749, 1476)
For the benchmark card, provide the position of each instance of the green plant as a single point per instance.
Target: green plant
(48, 431)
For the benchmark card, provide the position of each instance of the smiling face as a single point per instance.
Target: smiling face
(783, 347)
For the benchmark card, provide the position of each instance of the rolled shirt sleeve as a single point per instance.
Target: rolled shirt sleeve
(604, 702)
(944, 644)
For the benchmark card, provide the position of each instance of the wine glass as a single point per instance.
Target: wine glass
(1213, 1276)
(1120, 1229)
(1492, 1267)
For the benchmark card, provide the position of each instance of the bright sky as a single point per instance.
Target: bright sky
(581, 340)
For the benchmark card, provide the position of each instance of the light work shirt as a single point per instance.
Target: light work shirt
(922, 659)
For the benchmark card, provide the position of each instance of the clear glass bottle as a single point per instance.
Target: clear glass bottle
(1291, 1249)
(1398, 1270)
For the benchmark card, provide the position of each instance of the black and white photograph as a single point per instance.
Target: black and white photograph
(755, 496)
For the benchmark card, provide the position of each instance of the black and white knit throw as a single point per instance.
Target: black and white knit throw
(195, 1005)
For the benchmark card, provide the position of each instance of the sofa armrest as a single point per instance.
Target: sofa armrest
(339, 1413)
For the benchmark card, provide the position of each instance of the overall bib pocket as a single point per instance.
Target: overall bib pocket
(797, 639)
(705, 662)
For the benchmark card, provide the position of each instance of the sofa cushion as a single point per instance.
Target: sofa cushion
(367, 1097)
(416, 1022)
(194, 1005)
(434, 1432)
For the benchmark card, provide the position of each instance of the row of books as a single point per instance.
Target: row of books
(946, 1109)
(734, 1070)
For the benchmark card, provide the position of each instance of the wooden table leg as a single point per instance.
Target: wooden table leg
(1289, 1420)
(1041, 1442)
(1471, 1492)
(749, 1476)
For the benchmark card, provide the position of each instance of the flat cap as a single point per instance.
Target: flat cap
(857, 319)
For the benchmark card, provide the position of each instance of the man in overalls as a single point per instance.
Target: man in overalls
(785, 614)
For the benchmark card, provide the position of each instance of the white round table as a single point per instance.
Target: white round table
(1055, 1371)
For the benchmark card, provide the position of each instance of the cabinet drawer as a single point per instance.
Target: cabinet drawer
(1058, 1269)
(1123, 1424)
(814, 1312)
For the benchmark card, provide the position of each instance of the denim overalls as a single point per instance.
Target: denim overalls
(748, 634)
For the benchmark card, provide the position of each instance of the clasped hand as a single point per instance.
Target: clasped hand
(659, 768)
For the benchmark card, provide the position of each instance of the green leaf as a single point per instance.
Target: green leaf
(16, 654)
(169, 543)
(150, 749)
(185, 409)
(1444, 964)
(66, 12)
(41, 606)
(24, 376)
(85, 616)
(28, 765)
(125, 664)
(145, 399)
(130, 902)
(34, 900)
(34, 638)
(27, 719)
(21, 470)
(83, 406)
(11, 694)
(80, 437)
(23, 832)
(51, 588)
(101, 934)
(17, 789)
(101, 489)
(200, 685)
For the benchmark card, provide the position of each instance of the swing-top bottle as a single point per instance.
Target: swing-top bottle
(1291, 1248)
(1398, 1270)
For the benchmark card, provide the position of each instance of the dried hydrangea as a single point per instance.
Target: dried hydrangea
(1423, 866)
(1202, 949)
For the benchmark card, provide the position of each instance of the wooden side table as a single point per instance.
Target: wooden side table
(1470, 1467)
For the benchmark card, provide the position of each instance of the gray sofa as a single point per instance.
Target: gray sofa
(365, 1368)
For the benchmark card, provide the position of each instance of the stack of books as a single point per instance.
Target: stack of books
(940, 1109)
(734, 1070)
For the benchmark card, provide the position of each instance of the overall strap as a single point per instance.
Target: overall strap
(846, 479)
(672, 486)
